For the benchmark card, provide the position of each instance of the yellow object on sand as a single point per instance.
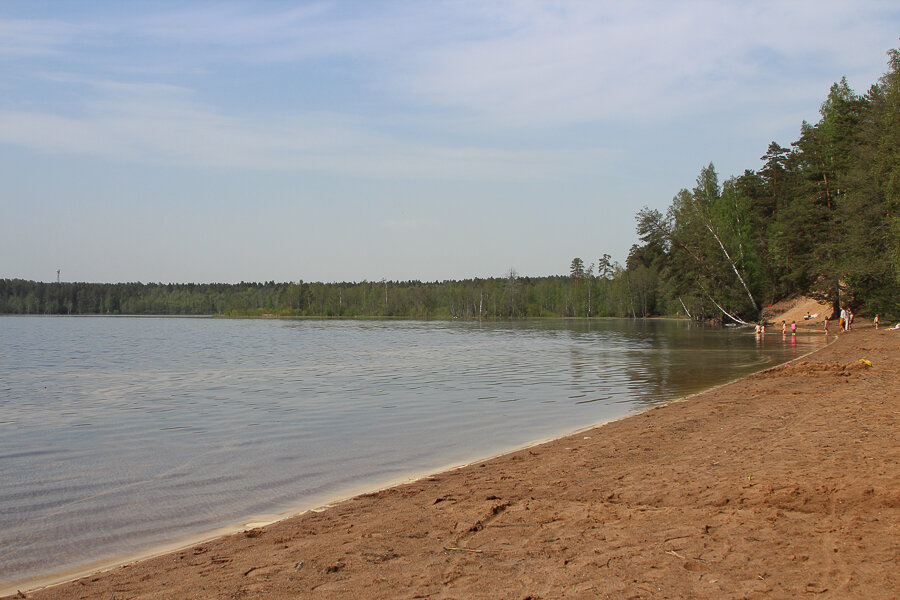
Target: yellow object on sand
(865, 362)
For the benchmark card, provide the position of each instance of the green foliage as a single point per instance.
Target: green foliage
(821, 219)
(505, 297)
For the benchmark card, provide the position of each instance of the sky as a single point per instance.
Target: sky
(406, 140)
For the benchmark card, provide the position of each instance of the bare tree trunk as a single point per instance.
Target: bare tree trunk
(733, 266)
(589, 298)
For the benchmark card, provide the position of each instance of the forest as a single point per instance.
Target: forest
(505, 297)
(820, 218)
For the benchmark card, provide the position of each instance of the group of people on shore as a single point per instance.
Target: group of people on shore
(845, 323)
(846, 320)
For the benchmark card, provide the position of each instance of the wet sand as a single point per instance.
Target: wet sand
(785, 484)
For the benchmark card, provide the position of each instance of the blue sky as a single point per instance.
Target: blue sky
(343, 141)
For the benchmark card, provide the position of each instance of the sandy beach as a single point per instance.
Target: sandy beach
(784, 484)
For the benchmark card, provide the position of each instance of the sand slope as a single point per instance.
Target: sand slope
(795, 309)
(782, 485)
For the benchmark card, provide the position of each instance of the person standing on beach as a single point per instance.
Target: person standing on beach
(826, 324)
(876, 321)
(843, 321)
(793, 327)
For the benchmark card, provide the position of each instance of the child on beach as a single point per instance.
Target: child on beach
(783, 327)
(793, 327)
(876, 321)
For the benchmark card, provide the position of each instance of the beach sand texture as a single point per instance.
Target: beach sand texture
(785, 484)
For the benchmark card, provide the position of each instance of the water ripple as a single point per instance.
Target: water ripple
(123, 433)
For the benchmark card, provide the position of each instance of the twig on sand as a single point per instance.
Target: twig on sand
(673, 553)
(470, 550)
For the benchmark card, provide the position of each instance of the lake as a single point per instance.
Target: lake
(123, 434)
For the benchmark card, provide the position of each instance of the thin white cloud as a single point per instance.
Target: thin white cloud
(582, 62)
(37, 37)
(253, 33)
(229, 24)
(455, 80)
(161, 124)
(55, 134)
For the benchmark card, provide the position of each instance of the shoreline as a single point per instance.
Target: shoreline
(35, 584)
(62, 572)
(334, 559)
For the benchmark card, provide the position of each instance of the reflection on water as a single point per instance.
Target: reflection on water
(118, 434)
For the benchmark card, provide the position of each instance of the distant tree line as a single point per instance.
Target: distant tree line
(820, 218)
(505, 297)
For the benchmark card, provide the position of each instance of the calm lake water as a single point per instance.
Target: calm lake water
(120, 434)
